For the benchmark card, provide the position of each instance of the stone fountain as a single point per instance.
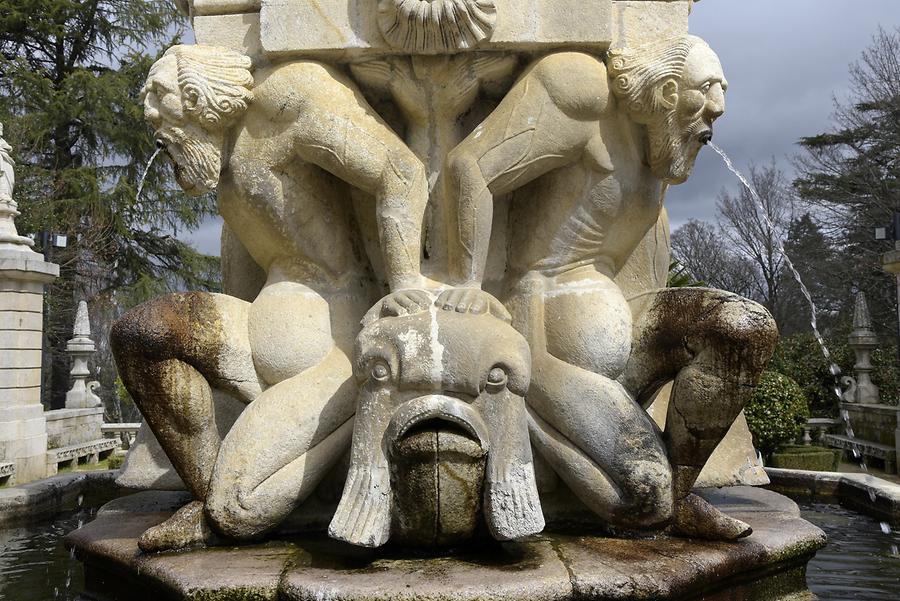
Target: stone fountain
(445, 317)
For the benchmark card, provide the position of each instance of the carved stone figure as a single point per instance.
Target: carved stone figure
(444, 260)
(9, 235)
(586, 150)
(7, 175)
(429, 368)
(321, 195)
(285, 147)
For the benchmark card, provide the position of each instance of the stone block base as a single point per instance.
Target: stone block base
(769, 565)
(23, 442)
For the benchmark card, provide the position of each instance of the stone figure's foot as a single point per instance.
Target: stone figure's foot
(472, 300)
(695, 517)
(187, 528)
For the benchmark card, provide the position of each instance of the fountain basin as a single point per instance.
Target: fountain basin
(768, 565)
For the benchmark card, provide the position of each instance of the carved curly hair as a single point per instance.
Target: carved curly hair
(215, 83)
(637, 74)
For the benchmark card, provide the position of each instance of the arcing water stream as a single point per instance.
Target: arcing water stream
(833, 368)
(140, 187)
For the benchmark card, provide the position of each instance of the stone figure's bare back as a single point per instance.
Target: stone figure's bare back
(585, 215)
(293, 217)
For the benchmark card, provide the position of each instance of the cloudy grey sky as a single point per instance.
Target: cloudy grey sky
(785, 61)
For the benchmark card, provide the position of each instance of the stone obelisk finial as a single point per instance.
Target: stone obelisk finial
(81, 347)
(863, 341)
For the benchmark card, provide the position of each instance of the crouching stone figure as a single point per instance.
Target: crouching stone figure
(284, 147)
(587, 149)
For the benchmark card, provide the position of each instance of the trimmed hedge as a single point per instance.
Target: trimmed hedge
(802, 457)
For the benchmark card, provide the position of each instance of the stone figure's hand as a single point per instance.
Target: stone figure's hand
(404, 302)
(472, 300)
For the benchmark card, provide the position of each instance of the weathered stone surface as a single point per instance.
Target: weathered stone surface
(471, 146)
(73, 426)
(38, 500)
(734, 462)
(23, 273)
(550, 566)
(147, 466)
(348, 28)
(420, 370)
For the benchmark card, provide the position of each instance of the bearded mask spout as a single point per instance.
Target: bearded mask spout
(196, 158)
(193, 95)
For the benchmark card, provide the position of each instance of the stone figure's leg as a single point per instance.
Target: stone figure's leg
(169, 353)
(714, 345)
(290, 328)
(280, 448)
(599, 441)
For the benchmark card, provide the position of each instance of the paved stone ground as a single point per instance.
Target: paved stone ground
(768, 565)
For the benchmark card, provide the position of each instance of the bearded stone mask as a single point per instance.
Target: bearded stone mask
(676, 88)
(192, 95)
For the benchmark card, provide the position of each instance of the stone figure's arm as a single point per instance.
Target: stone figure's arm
(545, 122)
(341, 133)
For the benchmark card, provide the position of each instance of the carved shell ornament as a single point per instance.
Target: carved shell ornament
(436, 26)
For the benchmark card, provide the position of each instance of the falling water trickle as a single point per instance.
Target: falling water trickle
(813, 311)
(153, 156)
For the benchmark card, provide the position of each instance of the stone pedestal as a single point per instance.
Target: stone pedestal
(769, 565)
(23, 436)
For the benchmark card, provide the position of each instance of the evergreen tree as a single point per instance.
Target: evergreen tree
(816, 260)
(70, 78)
(851, 175)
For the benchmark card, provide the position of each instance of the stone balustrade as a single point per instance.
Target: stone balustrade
(124, 432)
(816, 428)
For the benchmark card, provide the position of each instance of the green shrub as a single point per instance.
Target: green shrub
(115, 461)
(777, 412)
(800, 358)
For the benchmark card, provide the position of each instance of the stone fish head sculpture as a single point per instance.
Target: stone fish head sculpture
(440, 424)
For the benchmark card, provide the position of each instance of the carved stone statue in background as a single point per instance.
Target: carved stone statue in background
(284, 147)
(7, 175)
(587, 152)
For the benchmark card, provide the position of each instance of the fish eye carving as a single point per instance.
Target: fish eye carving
(381, 372)
(497, 378)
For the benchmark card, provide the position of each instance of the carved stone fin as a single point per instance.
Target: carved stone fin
(512, 506)
(363, 516)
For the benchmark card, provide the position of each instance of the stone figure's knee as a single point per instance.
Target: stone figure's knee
(748, 327)
(156, 329)
(460, 163)
(231, 514)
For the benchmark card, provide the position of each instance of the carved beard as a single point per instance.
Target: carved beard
(196, 157)
(674, 146)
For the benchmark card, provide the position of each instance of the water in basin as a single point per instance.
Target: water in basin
(857, 563)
